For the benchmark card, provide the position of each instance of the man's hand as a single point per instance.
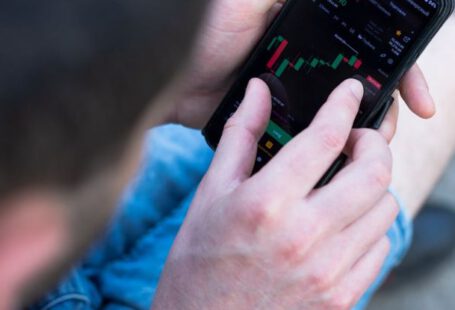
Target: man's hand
(271, 241)
(230, 32)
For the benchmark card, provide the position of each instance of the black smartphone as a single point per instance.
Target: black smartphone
(314, 45)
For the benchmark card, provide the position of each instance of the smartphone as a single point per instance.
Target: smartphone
(314, 45)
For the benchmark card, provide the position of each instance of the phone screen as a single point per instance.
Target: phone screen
(319, 44)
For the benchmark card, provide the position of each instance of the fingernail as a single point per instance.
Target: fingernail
(249, 87)
(357, 89)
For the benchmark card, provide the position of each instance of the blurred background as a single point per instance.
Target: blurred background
(435, 290)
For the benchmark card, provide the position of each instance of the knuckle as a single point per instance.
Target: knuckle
(370, 134)
(257, 214)
(379, 174)
(320, 280)
(232, 122)
(235, 128)
(293, 249)
(332, 140)
(378, 142)
(301, 239)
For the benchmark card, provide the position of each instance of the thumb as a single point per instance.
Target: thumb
(264, 6)
(236, 153)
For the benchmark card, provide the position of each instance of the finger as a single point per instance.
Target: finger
(340, 253)
(274, 11)
(236, 152)
(389, 125)
(380, 216)
(415, 92)
(332, 258)
(306, 158)
(358, 238)
(361, 184)
(356, 283)
(264, 6)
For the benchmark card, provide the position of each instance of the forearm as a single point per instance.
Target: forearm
(423, 148)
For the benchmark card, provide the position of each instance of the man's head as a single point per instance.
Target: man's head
(76, 81)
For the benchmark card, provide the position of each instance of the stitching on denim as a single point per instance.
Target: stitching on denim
(64, 298)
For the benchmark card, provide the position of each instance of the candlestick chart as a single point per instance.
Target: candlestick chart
(279, 64)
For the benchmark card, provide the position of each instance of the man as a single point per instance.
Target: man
(75, 85)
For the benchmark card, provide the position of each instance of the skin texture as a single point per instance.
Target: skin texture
(174, 292)
(423, 148)
(249, 243)
(227, 233)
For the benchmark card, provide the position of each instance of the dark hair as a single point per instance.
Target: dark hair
(75, 77)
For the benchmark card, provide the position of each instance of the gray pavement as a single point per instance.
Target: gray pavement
(437, 290)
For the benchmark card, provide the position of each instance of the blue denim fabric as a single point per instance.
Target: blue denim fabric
(76, 292)
(400, 236)
(123, 269)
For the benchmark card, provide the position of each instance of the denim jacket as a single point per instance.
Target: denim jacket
(123, 269)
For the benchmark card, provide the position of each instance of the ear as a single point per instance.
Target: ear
(32, 234)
